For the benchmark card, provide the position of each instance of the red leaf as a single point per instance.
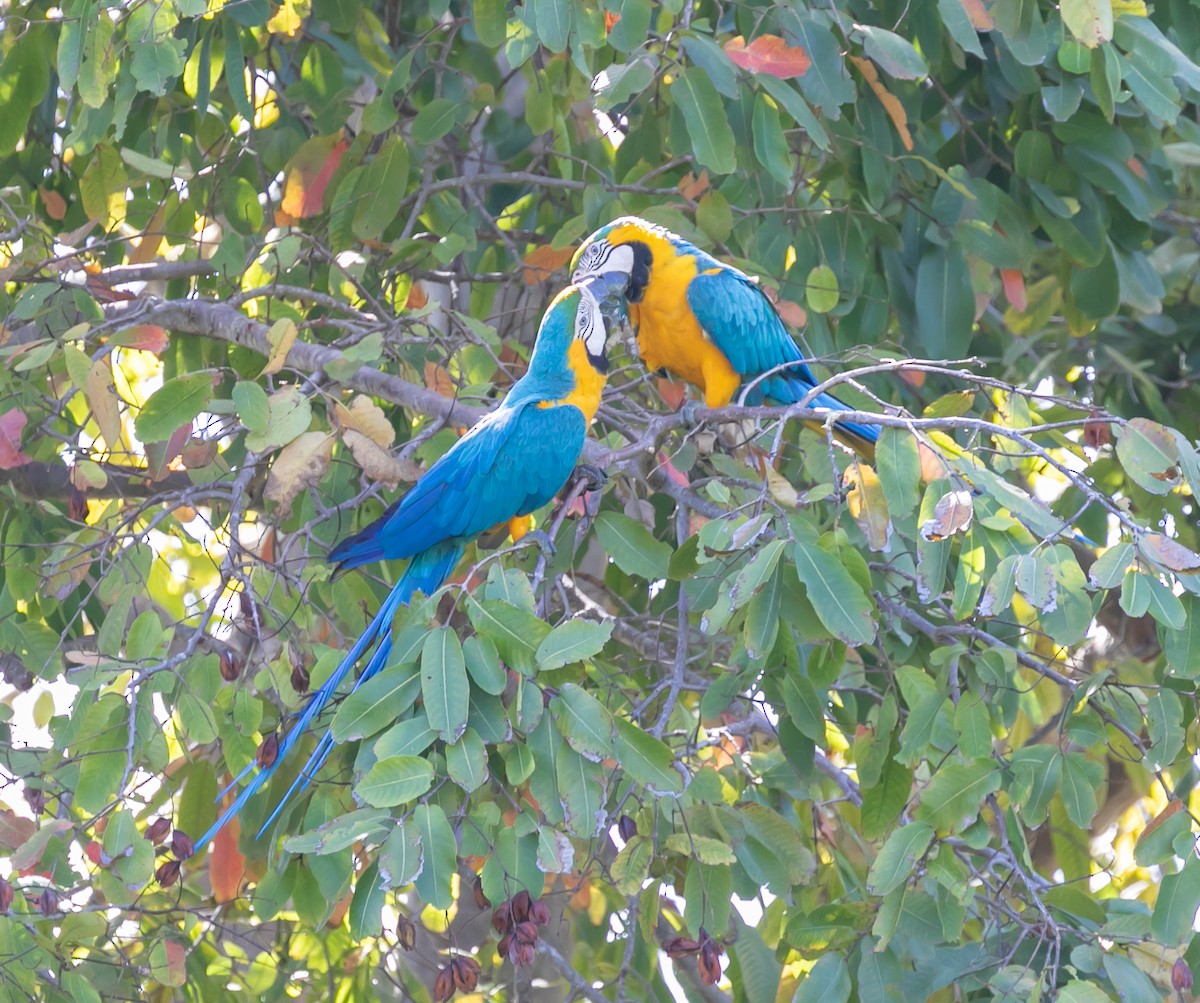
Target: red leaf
(227, 867)
(673, 472)
(11, 424)
(1014, 288)
(671, 392)
(768, 54)
(308, 174)
(144, 337)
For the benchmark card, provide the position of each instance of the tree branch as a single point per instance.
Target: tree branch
(53, 480)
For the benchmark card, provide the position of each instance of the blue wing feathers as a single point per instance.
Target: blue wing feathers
(513, 462)
(743, 324)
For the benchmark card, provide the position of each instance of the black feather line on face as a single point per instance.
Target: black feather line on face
(599, 363)
(639, 275)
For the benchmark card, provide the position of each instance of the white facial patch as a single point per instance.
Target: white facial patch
(602, 259)
(589, 324)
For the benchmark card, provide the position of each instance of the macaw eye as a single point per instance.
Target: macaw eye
(589, 325)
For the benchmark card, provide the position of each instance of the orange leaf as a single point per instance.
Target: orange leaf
(768, 54)
(610, 21)
(308, 174)
(144, 337)
(1014, 288)
(436, 378)
(227, 866)
(671, 392)
(543, 261)
(1135, 165)
(12, 422)
(1096, 432)
(891, 104)
(56, 205)
(981, 20)
(1172, 808)
(791, 313)
(692, 187)
(152, 237)
(913, 377)
(417, 297)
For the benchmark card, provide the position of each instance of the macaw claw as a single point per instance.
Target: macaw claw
(595, 478)
(543, 541)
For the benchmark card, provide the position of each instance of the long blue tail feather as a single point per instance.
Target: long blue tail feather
(425, 573)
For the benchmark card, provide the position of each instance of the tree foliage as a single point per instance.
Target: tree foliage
(919, 728)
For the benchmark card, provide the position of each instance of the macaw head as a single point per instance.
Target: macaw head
(615, 261)
(573, 319)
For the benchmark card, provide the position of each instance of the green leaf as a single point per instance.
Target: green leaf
(581, 786)
(646, 759)
(1078, 991)
(395, 780)
(972, 721)
(483, 665)
(177, 402)
(958, 24)
(1175, 908)
(515, 633)
(402, 856)
(898, 464)
(440, 856)
(954, 794)
(828, 981)
(584, 722)
(1149, 454)
(376, 704)
(1164, 718)
(883, 802)
(838, 599)
(897, 56)
(707, 124)
(1081, 778)
(553, 21)
(289, 416)
(444, 686)
(945, 303)
(821, 289)
(466, 761)
(770, 144)
(490, 18)
(340, 832)
(1182, 647)
(897, 858)
(573, 641)
(365, 917)
(382, 188)
(631, 546)
(433, 121)
(705, 849)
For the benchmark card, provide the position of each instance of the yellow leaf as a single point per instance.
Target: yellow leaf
(781, 488)
(288, 19)
(103, 400)
(281, 337)
(365, 416)
(952, 514)
(868, 506)
(891, 104)
(377, 463)
(300, 464)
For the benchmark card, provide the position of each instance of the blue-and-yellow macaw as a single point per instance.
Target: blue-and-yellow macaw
(702, 320)
(511, 462)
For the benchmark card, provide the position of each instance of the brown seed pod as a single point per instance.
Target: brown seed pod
(522, 955)
(627, 828)
(525, 933)
(77, 506)
(182, 845)
(157, 830)
(466, 973)
(502, 917)
(6, 896)
(230, 665)
(300, 679)
(539, 913)
(1181, 976)
(681, 947)
(48, 902)
(443, 985)
(406, 933)
(709, 964)
(481, 900)
(520, 906)
(35, 797)
(268, 751)
(167, 873)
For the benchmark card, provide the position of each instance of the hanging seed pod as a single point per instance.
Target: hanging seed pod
(167, 873)
(157, 830)
(48, 902)
(182, 845)
(443, 985)
(406, 933)
(466, 973)
(6, 896)
(481, 900)
(231, 666)
(268, 751)
(627, 828)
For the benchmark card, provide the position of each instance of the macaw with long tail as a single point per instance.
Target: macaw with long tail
(511, 462)
(702, 320)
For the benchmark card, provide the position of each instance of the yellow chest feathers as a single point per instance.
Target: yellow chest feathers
(588, 382)
(669, 336)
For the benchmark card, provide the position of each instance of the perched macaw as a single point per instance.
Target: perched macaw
(702, 320)
(512, 462)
